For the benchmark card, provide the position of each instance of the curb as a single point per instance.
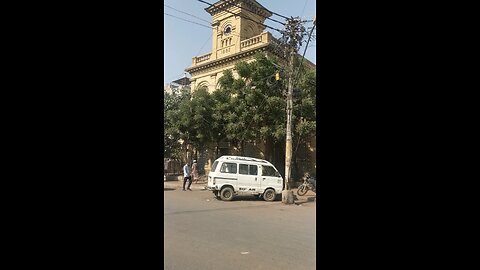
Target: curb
(307, 198)
(179, 184)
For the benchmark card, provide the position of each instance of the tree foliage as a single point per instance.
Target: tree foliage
(248, 106)
(173, 131)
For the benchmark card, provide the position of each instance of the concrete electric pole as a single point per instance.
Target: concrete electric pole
(294, 33)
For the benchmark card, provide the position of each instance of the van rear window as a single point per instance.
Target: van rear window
(229, 168)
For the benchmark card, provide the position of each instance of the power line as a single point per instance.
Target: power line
(285, 17)
(188, 21)
(304, 51)
(187, 13)
(279, 15)
(233, 34)
(276, 45)
(197, 23)
(268, 18)
(241, 16)
(306, 1)
(204, 44)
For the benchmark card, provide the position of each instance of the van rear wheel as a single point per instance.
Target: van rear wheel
(269, 195)
(226, 194)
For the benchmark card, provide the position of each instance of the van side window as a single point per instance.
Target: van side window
(229, 168)
(253, 170)
(247, 169)
(269, 171)
(242, 169)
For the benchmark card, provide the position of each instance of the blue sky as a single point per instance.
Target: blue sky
(184, 40)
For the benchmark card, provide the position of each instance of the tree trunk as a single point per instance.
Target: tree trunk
(269, 149)
(296, 171)
(242, 148)
(278, 157)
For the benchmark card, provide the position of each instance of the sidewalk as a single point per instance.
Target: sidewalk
(310, 197)
(177, 184)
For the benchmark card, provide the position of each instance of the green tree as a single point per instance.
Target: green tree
(304, 111)
(221, 99)
(201, 119)
(246, 108)
(256, 105)
(174, 105)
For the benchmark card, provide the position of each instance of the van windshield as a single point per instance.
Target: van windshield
(214, 166)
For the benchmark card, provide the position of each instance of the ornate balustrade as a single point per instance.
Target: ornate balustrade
(245, 45)
(202, 58)
(262, 38)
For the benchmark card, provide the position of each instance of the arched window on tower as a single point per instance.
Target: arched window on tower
(203, 84)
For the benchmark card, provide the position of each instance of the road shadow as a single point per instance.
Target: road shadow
(310, 198)
(305, 200)
(247, 198)
(168, 189)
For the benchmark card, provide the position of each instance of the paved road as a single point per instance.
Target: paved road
(247, 233)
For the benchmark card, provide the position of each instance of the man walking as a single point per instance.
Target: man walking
(186, 177)
(194, 174)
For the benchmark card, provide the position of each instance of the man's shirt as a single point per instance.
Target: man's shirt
(186, 171)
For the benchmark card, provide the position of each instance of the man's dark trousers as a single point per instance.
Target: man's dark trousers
(185, 179)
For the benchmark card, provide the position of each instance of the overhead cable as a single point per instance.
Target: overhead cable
(187, 13)
(188, 20)
(241, 16)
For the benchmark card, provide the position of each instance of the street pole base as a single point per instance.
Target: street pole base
(287, 197)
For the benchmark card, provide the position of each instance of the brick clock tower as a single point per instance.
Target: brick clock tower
(235, 39)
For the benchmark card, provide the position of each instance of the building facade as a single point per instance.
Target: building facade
(183, 83)
(236, 37)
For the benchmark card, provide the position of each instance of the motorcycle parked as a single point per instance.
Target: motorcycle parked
(309, 183)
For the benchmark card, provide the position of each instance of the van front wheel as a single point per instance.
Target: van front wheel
(269, 195)
(226, 194)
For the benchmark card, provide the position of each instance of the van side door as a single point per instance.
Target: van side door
(248, 178)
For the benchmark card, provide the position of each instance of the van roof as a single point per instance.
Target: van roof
(243, 158)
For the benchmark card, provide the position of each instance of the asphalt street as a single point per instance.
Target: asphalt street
(201, 232)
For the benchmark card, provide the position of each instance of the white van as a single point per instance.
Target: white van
(237, 175)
